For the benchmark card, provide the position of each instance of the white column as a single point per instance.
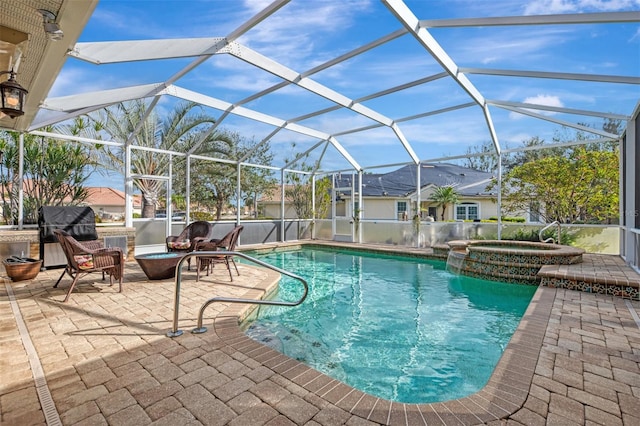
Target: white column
(360, 204)
(333, 206)
(128, 188)
(169, 209)
(354, 237)
(187, 195)
(313, 205)
(418, 204)
(282, 205)
(499, 196)
(629, 155)
(238, 197)
(21, 180)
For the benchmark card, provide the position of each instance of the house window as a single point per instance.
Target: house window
(402, 211)
(534, 212)
(467, 211)
(403, 214)
(433, 212)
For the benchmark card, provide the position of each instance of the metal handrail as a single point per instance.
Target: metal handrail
(175, 332)
(550, 239)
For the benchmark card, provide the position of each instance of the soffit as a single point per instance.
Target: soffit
(37, 60)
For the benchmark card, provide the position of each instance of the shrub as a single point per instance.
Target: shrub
(202, 216)
(509, 219)
(567, 237)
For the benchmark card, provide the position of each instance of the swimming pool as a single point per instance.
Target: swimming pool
(402, 329)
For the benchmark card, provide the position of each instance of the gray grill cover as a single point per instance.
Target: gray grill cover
(80, 222)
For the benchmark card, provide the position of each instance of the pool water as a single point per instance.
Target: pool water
(398, 328)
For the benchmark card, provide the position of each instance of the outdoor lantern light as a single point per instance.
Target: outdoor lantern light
(50, 26)
(12, 96)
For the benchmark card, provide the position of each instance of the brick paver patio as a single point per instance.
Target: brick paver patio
(103, 358)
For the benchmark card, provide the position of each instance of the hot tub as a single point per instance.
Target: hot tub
(510, 261)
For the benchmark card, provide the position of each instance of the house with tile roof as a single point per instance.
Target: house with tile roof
(108, 203)
(394, 195)
(270, 202)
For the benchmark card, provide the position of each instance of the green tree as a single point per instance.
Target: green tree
(298, 190)
(184, 125)
(482, 157)
(254, 180)
(323, 197)
(215, 182)
(55, 173)
(444, 195)
(532, 151)
(580, 186)
(299, 186)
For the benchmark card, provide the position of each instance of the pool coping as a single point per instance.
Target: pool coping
(504, 394)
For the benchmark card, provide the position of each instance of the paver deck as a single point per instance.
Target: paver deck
(104, 358)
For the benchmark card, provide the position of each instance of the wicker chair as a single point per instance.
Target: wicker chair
(89, 256)
(228, 242)
(186, 242)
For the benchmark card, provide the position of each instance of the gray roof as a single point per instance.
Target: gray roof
(402, 182)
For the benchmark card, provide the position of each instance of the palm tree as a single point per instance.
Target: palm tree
(444, 195)
(181, 129)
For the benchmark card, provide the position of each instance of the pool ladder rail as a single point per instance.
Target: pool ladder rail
(175, 332)
(550, 239)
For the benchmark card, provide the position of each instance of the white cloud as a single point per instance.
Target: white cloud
(545, 7)
(73, 80)
(547, 100)
(511, 45)
(311, 22)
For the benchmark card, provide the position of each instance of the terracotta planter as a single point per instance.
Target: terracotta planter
(21, 271)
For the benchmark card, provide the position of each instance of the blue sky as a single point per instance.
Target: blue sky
(306, 33)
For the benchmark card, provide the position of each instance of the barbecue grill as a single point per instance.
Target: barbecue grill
(80, 222)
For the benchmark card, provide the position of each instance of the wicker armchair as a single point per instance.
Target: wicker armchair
(87, 257)
(227, 243)
(186, 242)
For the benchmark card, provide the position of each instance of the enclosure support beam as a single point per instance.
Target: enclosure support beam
(406, 17)
(168, 204)
(418, 202)
(360, 206)
(238, 195)
(333, 206)
(499, 196)
(187, 189)
(282, 206)
(313, 205)
(128, 188)
(630, 192)
(355, 227)
(21, 179)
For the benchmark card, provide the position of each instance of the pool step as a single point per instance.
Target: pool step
(598, 281)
